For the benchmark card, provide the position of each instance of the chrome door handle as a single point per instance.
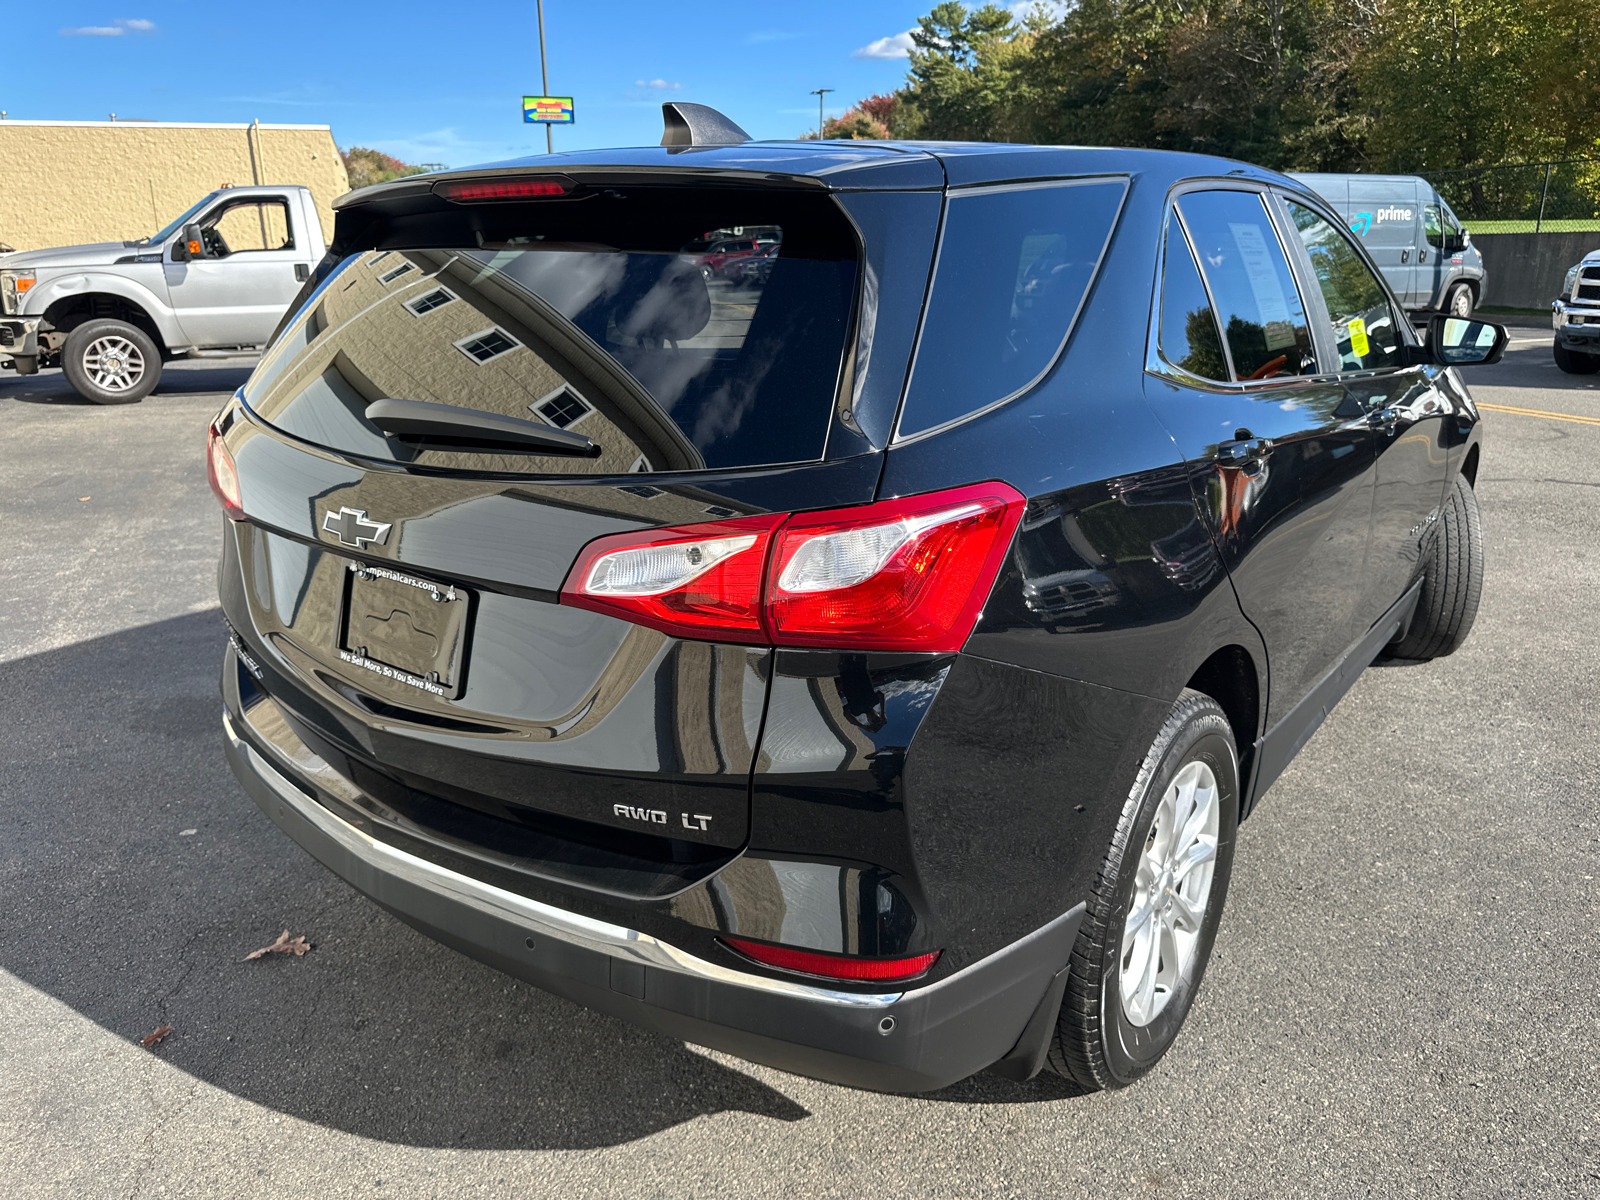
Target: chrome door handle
(1239, 452)
(1384, 418)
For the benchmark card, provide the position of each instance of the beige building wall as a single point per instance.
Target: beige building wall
(67, 183)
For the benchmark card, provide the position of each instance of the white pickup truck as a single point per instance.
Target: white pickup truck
(217, 279)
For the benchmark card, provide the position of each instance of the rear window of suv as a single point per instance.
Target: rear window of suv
(597, 315)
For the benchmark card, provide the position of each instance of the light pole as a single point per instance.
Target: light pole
(819, 93)
(544, 72)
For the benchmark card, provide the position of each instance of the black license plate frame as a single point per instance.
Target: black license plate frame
(407, 629)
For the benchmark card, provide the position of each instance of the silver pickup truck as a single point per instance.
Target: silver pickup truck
(1575, 315)
(215, 280)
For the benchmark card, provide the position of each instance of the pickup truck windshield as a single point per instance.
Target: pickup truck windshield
(667, 358)
(177, 224)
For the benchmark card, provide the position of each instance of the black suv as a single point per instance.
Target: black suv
(864, 673)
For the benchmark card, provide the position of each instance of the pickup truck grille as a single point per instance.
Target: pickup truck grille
(1588, 288)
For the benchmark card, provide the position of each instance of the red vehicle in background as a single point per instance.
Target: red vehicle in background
(723, 259)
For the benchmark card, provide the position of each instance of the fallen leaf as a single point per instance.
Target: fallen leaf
(81, 499)
(284, 945)
(161, 1031)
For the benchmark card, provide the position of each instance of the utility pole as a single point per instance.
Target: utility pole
(819, 93)
(544, 71)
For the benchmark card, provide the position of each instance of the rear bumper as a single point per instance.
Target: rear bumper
(999, 1008)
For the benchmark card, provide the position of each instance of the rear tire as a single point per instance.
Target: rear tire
(1575, 362)
(1459, 302)
(1452, 582)
(111, 362)
(1147, 935)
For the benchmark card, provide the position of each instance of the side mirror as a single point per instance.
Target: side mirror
(190, 245)
(1463, 342)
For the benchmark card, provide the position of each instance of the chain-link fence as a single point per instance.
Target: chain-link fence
(1546, 197)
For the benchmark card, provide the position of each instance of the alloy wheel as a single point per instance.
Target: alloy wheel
(114, 363)
(1161, 935)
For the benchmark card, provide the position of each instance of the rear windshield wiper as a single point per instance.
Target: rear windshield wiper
(446, 425)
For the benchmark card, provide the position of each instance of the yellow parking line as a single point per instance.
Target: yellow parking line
(1535, 412)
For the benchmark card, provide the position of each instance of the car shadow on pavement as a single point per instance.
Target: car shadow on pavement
(51, 386)
(135, 875)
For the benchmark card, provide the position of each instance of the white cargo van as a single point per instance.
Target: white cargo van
(1425, 255)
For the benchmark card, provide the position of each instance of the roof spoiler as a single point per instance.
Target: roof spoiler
(698, 125)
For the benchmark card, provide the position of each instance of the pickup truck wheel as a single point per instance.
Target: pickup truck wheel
(1156, 903)
(1459, 302)
(1452, 580)
(111, 362)
(1575, 362)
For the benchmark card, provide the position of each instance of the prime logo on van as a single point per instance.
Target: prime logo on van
(1364, 221)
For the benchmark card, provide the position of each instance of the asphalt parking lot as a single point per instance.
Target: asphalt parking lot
(1403, 999)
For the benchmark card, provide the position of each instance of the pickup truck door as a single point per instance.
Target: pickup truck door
(235, 295)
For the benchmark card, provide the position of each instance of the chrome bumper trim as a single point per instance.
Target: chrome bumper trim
(23, 341)
(540, 920)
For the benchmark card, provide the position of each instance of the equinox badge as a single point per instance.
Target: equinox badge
(354, 529)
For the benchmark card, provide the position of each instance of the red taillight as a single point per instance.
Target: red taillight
(906, 574)
(504, 189)
(836, 966)
(697, 581)
(224, 478)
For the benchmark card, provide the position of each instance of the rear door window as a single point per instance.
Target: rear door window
(1263, 319)
(594, 314)
(1015, 264)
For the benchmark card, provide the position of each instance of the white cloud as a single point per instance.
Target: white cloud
(137, 24)
(658, 85)
(897, 46)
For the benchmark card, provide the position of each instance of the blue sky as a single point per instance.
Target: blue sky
(443, 82)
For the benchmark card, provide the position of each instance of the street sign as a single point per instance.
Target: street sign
(547, 110)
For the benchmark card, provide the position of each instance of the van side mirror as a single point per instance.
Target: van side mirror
(190, 245)
(1464, 342)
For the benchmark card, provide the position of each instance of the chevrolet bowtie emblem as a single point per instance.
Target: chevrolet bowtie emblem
(353, 528)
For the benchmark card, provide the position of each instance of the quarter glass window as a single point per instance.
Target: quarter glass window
(1189, 337)
(1363, 323)
(1014, 267)
(1262, 315)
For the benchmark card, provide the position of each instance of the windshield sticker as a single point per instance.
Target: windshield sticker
(1358, 338)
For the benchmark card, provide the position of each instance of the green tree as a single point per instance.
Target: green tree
(366, 166)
